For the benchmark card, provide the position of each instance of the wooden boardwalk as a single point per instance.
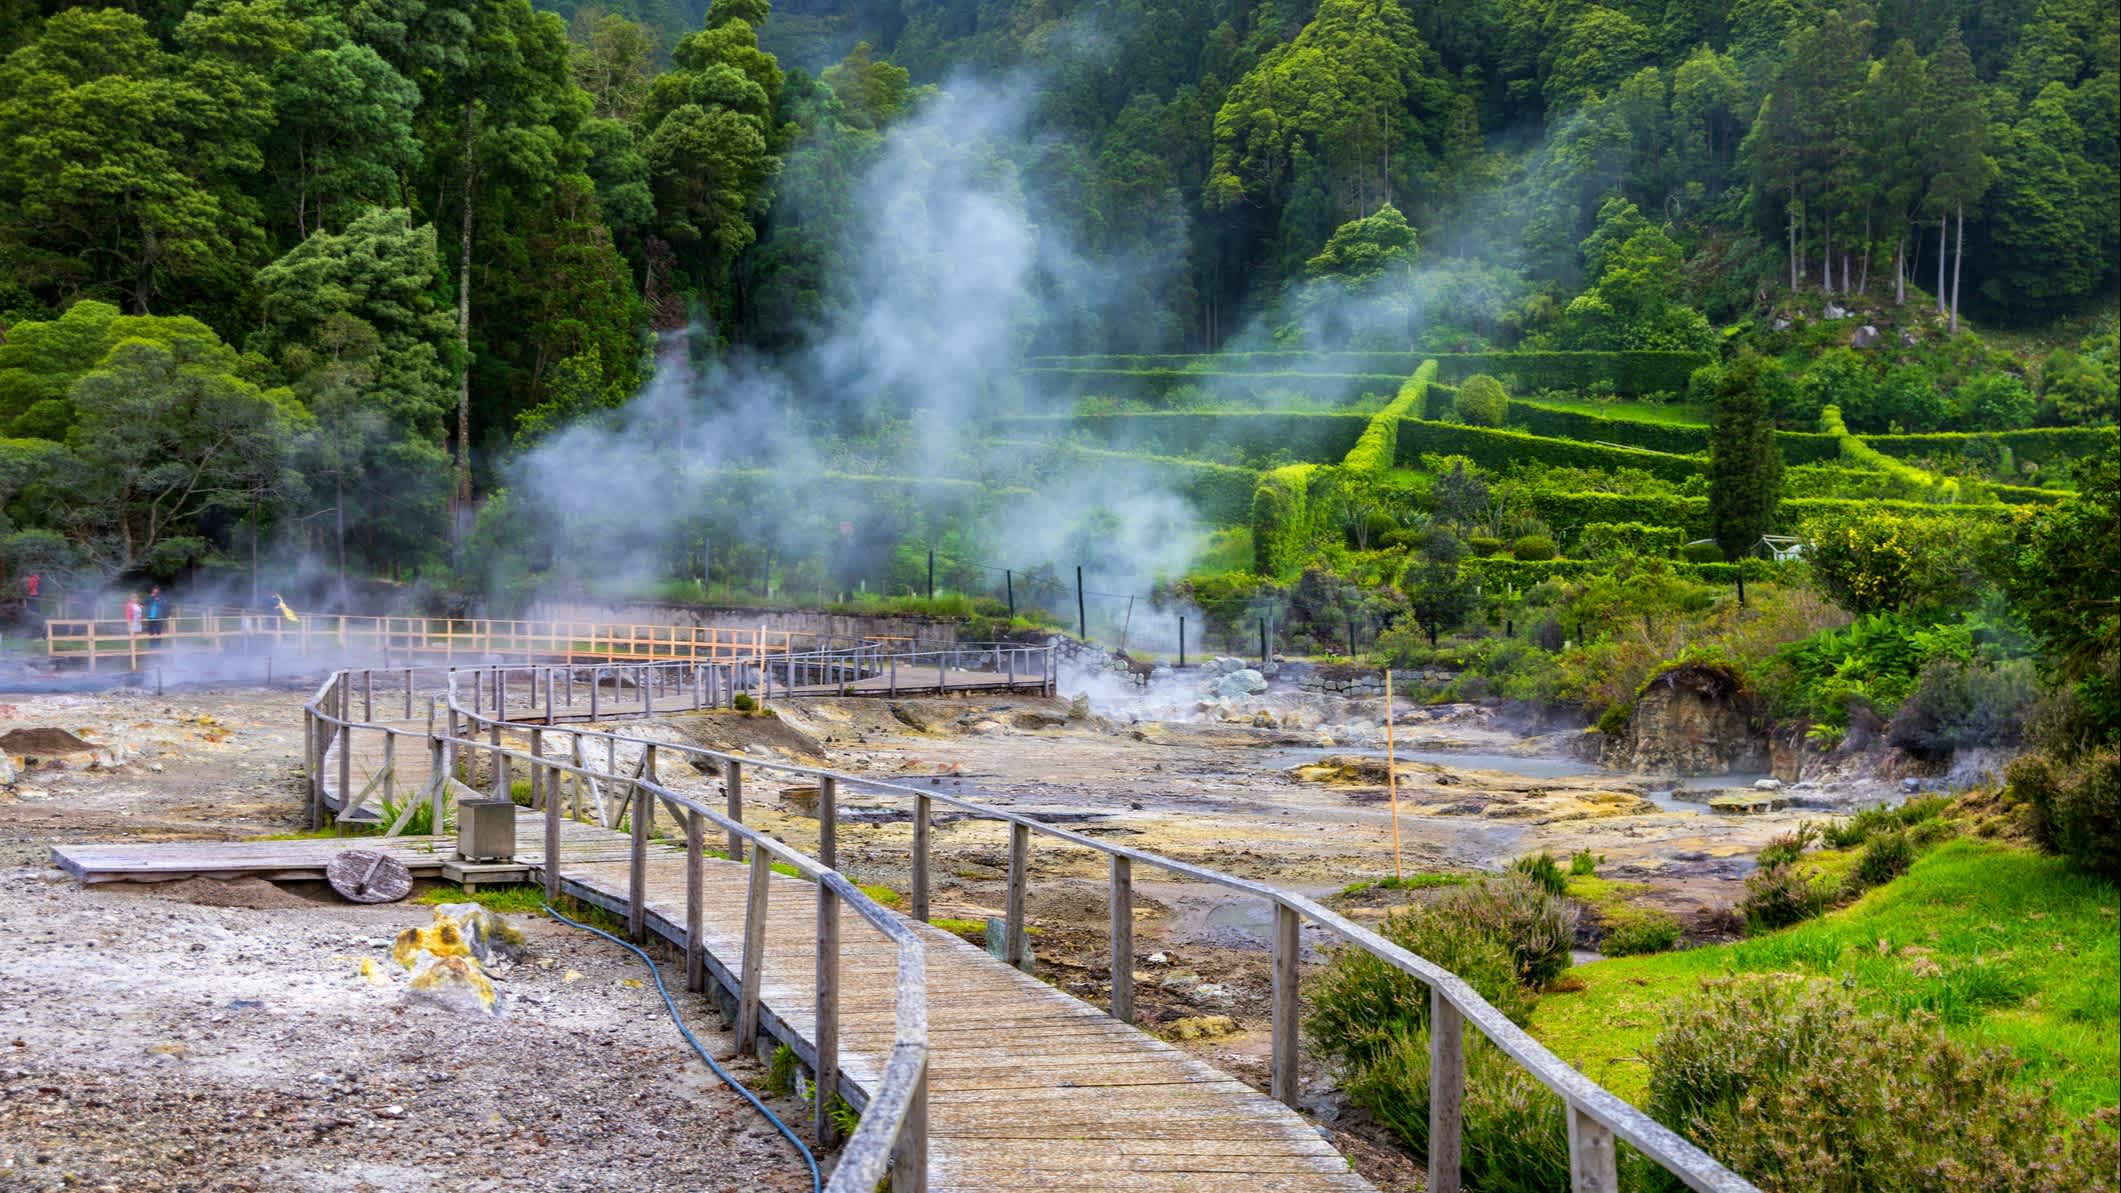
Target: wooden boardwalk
(1028, 1087)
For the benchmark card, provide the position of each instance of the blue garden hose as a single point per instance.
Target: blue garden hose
(817, 1182)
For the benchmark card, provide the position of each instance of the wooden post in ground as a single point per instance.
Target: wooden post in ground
(1392, 777)
(637, 869)
(1592, 1164)
(733, 784)
(695, 903)
(552, 849)
(827, 1036)
(1447, 1085)
(828, 827)
(1122, 939)
(754, 959)
(1016, 946)
(1282, 1064)
(922, 813)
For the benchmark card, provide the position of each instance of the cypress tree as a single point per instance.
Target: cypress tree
(1745, 470)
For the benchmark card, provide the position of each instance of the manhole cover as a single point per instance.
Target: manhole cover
(366, 876)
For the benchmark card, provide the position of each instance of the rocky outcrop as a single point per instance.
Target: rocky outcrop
(1693, 719)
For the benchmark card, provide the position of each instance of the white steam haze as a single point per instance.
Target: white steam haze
(945, 277)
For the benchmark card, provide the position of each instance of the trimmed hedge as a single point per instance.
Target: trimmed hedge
(1630, 372)
(1946, 489)
(1611, 538)
(1569, 513)
(1807, 447)
(1322, 436)
(1522, 574)
(1378, 448)
(1154, 386)
(2045, 446)
(1221, 492)
(1285, 521)
(1498, 449)
(1557, 423)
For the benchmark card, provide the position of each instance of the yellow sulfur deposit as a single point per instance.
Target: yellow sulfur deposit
(453, 981)
(442, 938)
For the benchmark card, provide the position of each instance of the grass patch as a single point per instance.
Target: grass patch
(517, 899)
(330, 832)
(2006, 946)
(1410, 882)
(972, 930)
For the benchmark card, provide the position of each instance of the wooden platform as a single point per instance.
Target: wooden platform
(1029, 1089)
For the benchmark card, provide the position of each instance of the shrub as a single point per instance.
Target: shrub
(1483, 546)
(1538, 926)
(1701, 553)
(1788, 847)
(1640, 930)
(1481, 401)
(1804, 1092)
(1957, 704)
(1843, 834)
(1543, 869)
(742, 702)
(1777, 897)
(1514, 1135)
(1584, 864)
(1533, 547)
(1886, 856)
(1360, 1004)
(2076, 805)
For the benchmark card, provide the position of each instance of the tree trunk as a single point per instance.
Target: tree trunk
(1940, 264)
(1793, 249)
(1900, 271)
(1826, 255)
(1864, 286)
(1958, 253)
(463, 497)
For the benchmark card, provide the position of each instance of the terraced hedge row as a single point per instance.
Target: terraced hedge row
(1222, 493)
(1378, 447)
(1302, 434)
(1567, 513)
(2045, 446)
(1154, 386)
(1521, 574)
(1285, 517)
(1629, 372)
(1496, 449)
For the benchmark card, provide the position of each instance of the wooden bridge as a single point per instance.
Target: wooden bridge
(969, 1073)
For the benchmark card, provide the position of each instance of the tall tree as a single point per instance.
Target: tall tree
(1960, 170)
(1745, 469)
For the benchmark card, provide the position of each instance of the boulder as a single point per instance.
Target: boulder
(1694, 719)
(458, 984)
(1907, 339)
(1031, 718)
(1864, 337)
(449, 958)
(1240, 683)
(1836, 311)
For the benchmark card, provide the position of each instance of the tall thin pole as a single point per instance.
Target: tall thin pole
(1009, 578)
(1082, 614)
(1392, 777)
(931, 573)
(1181, 640)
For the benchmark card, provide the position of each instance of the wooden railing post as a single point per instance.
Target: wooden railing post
(923, 813)
(552, 847)
(596, 682)
(827, 1035)
(1016, 947)
(390, 769)
(1283, 1061)
(734, 786)
(828, 822)
(1447, 1084)
(695, 902)
(1122, 939)
(368, 695)
(754, 959)
(909, 1153)
(637, 870)
(1593, 1168)
(538, 790)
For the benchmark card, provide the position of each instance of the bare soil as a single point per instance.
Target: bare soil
(204, 1035)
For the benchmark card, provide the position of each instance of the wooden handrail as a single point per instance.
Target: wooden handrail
(1596, 1116)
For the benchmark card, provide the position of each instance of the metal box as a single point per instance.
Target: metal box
(486, 830)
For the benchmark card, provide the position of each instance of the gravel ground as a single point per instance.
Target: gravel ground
(222, 1036)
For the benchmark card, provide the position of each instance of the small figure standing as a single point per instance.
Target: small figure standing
(132, 614)
(157, 613)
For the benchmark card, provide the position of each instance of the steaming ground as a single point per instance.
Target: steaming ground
(218, 1036)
